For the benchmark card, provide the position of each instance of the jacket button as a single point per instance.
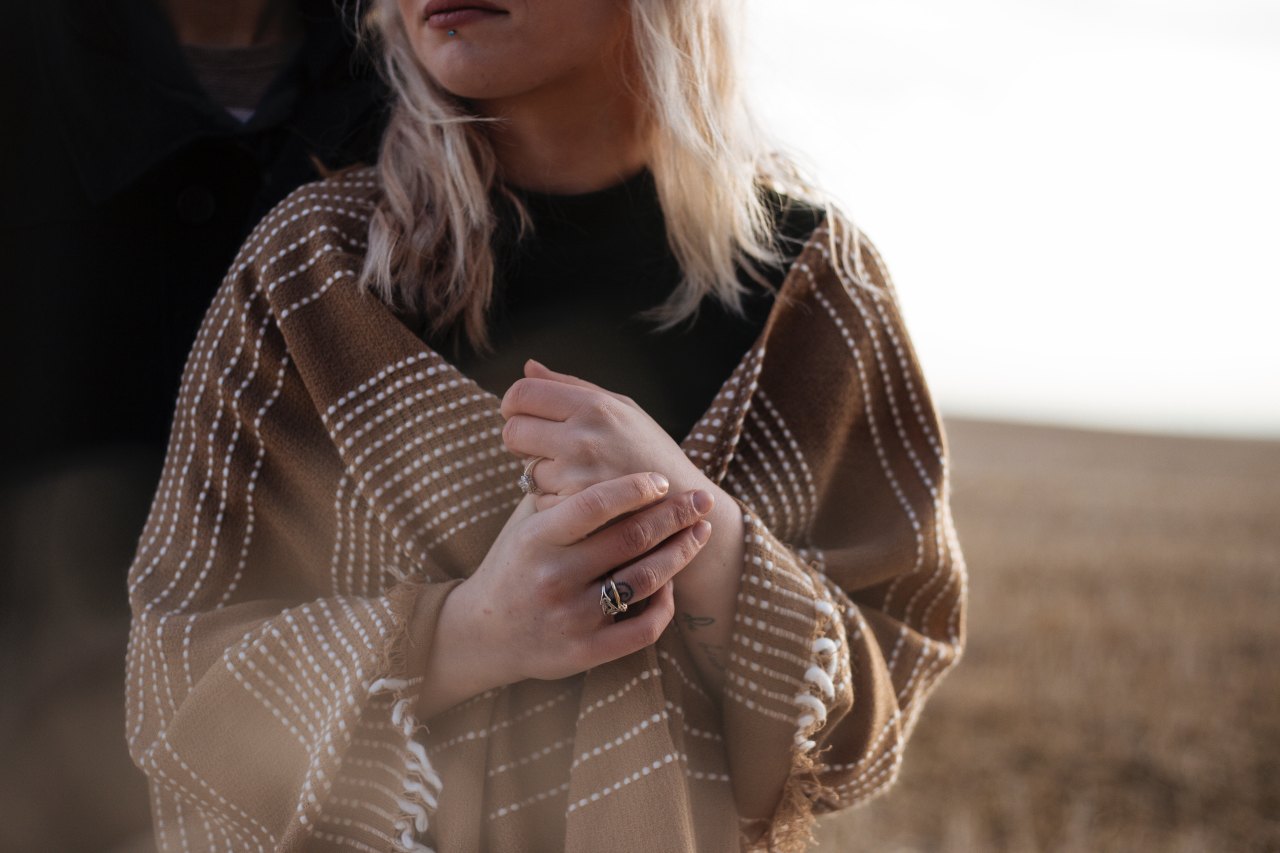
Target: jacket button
(196, 205)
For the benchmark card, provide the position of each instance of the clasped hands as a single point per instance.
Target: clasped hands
(587, 435)
(621, 501)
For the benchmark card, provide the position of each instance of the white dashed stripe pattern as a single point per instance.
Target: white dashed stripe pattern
(328, 476)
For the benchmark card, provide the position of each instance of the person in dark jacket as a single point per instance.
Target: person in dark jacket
(144, 138)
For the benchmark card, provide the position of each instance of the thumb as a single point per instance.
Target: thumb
(547, 501)
(524, 509)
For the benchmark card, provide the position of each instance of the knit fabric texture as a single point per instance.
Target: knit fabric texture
(329, 477)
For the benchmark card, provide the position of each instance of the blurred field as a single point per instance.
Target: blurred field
(1120, 689)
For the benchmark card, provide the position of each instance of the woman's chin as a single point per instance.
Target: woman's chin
(473, 83)
(480, 91)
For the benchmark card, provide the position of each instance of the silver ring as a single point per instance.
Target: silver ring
(611, 602)
(527, 484)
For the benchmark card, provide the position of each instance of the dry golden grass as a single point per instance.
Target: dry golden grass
(1119, 690)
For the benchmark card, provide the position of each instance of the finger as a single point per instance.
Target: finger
(644, 577)
(528, 436)
(547, 501)
(550, 499)
(524, 509)
(546, 398)
(621, 638)
(538, 369)
(549, 480)
(632, 536)
(574, 519)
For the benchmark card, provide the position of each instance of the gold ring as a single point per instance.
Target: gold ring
(611, 603)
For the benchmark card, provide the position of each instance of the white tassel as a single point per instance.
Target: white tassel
(418, 811)
(814, 703)
(821, 674)
(424, 765)
(387, 684)
(418, 788)
(817, 675)
(419, 799)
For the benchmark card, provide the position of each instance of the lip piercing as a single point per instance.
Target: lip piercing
(453, 32)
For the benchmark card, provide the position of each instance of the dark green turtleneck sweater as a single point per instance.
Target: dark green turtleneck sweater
(567, 295)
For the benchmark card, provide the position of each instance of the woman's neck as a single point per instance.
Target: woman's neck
(232, 23)
(576, 136)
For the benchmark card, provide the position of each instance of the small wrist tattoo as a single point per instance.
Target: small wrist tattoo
(694, 622)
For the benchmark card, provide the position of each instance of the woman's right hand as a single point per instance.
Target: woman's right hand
(532, 607)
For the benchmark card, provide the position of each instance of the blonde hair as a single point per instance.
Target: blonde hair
(430, 235)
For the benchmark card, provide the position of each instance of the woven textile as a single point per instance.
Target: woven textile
(328, 476)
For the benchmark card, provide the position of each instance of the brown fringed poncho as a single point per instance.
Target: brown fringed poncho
(328, 475)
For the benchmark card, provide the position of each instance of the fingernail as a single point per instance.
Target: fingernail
(702, 531)
(537, 363)
(703, 501)
(660, 481)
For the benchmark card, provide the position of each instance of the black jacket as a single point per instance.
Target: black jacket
(126, 193)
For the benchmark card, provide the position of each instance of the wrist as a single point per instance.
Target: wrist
(719, 556)
(459, 662)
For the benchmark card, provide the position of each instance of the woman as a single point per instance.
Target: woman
(389, 601)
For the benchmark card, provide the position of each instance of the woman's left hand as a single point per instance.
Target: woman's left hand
(588, 435)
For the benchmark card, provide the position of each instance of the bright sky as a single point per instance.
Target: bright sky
(1079, 201)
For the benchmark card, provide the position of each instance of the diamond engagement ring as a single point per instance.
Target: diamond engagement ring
(527, 484)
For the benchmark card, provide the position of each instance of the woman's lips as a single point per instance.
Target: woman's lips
(457, 17)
